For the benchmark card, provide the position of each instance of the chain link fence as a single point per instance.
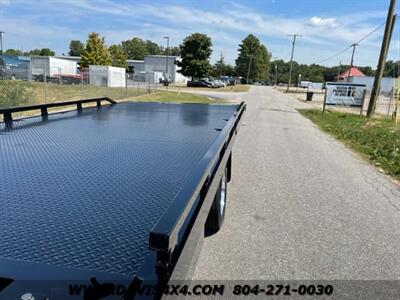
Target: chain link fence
(22, 84)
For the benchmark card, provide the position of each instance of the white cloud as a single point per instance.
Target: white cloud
(325, 22)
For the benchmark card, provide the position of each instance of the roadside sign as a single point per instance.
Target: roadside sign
(344, 94)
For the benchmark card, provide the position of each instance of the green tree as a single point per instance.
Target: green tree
(173, 51)
(313, 72)
(195, 53)
(40, 52)
(14, 52)
(252, 53)
(76, 48)
(153, 48)
(221, 68)
(368, 71)
(96, 52)
(392, 68)
(135, 48)
(118, 56)
(229, 70)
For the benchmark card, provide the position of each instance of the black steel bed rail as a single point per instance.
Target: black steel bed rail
(174, 259)
(164, 237)
(7, 112)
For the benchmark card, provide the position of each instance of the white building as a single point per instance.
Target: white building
(387, 83)
(107, 76)
(52, 66)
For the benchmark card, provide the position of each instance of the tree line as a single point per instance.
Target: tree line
(253, 62)
(318, 73)
(39, 52)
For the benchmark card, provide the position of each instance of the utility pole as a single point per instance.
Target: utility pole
(291, 58)
(248, 70)
(382, 57)
(2, 57)
(276, 71)
(352, 61)
(166, 58)
(1, 42)
(220, 67)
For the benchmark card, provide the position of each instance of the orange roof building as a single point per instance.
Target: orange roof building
(354, 72)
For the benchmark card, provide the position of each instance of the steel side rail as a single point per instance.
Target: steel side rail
(7, 112)
(164, 236)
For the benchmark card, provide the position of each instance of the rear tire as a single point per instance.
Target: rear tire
(216, 215)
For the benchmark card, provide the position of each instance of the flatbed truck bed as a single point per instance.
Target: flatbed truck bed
(111, 193)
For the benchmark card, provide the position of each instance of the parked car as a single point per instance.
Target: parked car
(209, 81)
(228, 80)
(215, 83)
(198, 84)
(220, 83)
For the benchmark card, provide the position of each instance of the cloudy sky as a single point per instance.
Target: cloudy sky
(327, 26)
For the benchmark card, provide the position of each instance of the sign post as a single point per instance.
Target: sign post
(323, 106)
(362, 102)
(396, 101)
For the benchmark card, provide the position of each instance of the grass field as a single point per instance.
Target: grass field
(169, 96)
(16, 93)
(375, 139)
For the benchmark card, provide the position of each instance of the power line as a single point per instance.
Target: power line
(349, 47)
(333, 56)
(372, 32)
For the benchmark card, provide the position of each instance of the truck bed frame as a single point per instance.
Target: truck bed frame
(109, 193)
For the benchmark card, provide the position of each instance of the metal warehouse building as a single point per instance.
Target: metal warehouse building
(161, 64)
(154, 67)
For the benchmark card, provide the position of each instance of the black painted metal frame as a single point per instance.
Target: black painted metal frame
(173, 260)
(7, 112)
(175, 241)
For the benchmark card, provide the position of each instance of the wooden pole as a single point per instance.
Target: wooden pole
(291, 60)
(362, 101)
(323, 106)
(382, 57)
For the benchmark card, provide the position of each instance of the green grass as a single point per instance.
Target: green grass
(16, 92)
(375, 139)
(164, 96)
(57, 92)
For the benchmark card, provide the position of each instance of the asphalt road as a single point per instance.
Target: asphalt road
(301, 205)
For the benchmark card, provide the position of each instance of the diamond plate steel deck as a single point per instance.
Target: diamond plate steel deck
(84, 189)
